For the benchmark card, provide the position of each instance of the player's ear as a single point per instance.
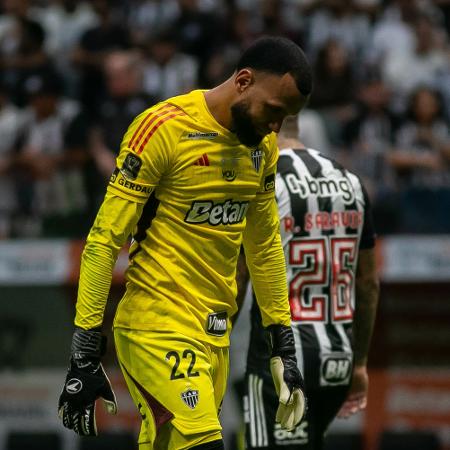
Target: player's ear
(243, 79)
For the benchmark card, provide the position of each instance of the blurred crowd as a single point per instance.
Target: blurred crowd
(75, 73)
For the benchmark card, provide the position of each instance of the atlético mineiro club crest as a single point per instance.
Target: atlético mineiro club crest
(190, 397)
(256, 158)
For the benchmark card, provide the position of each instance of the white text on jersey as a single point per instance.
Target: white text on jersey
(321, 187)
(227, 213)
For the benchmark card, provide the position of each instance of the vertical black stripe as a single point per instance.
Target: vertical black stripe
(311, 354)
(145, 221)
(352, 207)
(313, 166)
(258, 355)
(348, 329)
(348, 206)
(147, 216)
(299, 206)
(315, 170)
(337, 345)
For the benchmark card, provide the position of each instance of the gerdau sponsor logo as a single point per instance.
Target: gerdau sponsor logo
(226, 213)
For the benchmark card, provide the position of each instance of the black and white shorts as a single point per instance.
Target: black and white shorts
(260, 404)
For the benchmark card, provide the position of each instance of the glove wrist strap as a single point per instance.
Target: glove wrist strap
(281, 340)
(87, 345)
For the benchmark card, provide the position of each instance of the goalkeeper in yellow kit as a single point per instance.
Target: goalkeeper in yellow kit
(195, 179)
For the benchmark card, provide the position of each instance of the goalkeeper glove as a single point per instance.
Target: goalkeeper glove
(86, 381)
(287, 378)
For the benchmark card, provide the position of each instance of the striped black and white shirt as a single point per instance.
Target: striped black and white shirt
(325, 220)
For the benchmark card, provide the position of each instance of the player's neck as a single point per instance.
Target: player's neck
(286, 142)
(219, 100)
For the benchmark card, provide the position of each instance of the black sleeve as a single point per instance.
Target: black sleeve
(368, 233)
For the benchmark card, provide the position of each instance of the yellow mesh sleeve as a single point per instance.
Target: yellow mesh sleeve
(113, 225)
(265, 261)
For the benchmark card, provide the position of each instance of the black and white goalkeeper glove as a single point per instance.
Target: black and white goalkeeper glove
(286, 376)
(86, 381)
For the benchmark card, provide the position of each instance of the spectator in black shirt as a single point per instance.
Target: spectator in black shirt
(94, 46)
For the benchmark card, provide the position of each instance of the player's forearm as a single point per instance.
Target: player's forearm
(265, 261)
(112, 227)
(268, 274)
(97, 266)
(367, 291)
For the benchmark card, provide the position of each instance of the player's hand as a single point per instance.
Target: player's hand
(286, 376)
(86, 381)
(357, 395)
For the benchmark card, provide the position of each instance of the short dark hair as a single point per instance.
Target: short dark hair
(278, 55)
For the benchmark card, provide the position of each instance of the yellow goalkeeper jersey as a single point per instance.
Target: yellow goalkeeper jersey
(189, 193)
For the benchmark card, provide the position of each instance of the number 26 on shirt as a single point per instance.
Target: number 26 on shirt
(322, 282)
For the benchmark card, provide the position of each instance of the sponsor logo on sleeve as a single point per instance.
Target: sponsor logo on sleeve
(131, 166)
(117, 179)
(269, 182)
(134, 186)
(113, 177)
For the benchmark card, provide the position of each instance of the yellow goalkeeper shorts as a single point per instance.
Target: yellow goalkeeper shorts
(177, 383)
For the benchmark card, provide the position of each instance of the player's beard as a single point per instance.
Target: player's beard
(242, 125)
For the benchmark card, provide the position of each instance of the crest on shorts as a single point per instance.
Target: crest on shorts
(256, 158)
(190, 397)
